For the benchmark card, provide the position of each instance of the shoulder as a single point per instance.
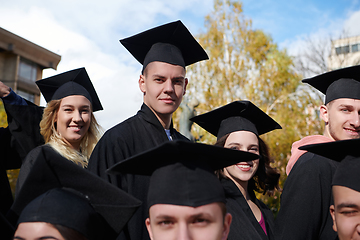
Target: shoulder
(124, 127)
(310, 162)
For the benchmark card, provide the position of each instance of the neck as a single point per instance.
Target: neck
(242, 185)
(164, 119)
(327, 132)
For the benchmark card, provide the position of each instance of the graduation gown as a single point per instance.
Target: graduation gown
(135, 135)
(27, 166)
(21, 135)
(305, 200)
(244, 224)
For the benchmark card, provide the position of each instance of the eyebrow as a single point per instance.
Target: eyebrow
(41, 238)
(346, 105)
(161, 76)
(69, 105)
(347, 205)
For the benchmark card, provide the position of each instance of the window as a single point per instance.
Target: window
(342, 50)
(355, 47)
(26, 95)
(27, 70)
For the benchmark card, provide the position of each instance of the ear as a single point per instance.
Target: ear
(227, 223)
(332, 212)
(142, 83)
(147, 223)
(186, 83)
(324, 113)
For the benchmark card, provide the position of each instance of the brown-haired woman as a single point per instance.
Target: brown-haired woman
(238, 125)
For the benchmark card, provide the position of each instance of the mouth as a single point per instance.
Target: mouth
(167, 100)
(75, 128)
(352, 131)
(244, 166)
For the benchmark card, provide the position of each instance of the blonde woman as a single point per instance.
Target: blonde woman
(68, 125)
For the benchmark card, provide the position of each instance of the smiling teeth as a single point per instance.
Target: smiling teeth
(244, 166)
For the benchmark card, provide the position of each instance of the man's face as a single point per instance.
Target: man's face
(174, 222)
(163, 86)
(343, 118)
(346, 212)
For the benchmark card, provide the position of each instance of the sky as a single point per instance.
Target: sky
(86, 33)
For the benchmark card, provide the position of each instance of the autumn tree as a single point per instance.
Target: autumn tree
(245, 64)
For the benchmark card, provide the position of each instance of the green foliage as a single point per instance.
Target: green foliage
(245, 64)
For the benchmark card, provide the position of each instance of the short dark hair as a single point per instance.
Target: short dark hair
(266, 178)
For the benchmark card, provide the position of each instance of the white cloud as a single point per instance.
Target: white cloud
(86, 34)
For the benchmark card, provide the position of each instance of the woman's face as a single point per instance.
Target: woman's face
(73, 119)
(244, 141)
(37, 230)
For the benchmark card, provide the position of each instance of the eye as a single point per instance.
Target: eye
(349, 213)
(165, 223)
(178, 81)
(254, 149)
(159, 80)
(201, 221)
(234, 147)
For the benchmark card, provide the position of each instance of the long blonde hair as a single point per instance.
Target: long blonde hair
(51, 136)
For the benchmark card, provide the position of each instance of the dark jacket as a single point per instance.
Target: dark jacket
(135, 135)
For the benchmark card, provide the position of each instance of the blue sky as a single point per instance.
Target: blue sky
(86, 34)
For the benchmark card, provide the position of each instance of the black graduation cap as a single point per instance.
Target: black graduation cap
(74, 82)
(113, 206)
(236, 116)
(340, 83)
(347, 152)
(182, 173)
(171, 43)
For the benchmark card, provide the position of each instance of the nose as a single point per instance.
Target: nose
(183, 232)
(168, 87)
(355, 120)
(77, 116)
(358, 229)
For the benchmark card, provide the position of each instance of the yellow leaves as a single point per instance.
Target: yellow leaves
(3, 117)
(245, 64)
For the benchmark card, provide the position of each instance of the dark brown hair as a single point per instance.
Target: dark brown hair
(69, 233)
(266, 178)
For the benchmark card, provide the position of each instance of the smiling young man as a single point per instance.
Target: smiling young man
(185, 198)
(306, 196)
(164, 52)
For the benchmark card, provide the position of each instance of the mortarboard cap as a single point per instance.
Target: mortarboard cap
(347, 152)
(236, 116)
(74, 82)
(113, 206)
(170, 43)
(182, 173)
(340, 83)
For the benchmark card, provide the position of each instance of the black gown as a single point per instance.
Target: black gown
(305, 201)
(133, 136)
(244, 224)
(21, 135)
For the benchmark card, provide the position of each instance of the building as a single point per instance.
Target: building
(22, 63)
(345, 52)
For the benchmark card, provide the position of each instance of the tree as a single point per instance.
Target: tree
(245, 64)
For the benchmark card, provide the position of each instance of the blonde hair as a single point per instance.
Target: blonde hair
(52, 137)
